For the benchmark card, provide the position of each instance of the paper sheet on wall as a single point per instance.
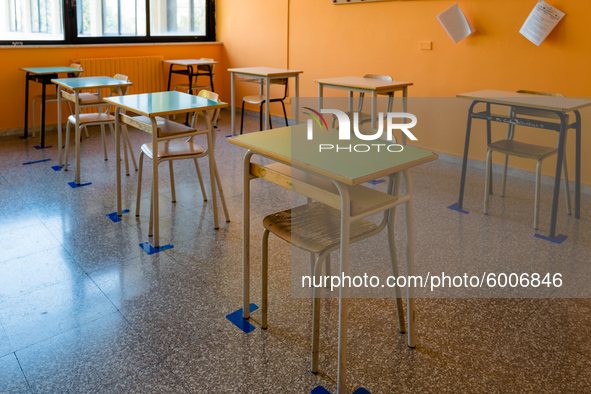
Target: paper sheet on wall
(541, 22)
(455, 23)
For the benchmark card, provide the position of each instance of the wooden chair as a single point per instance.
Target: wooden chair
(510, 147)
(179, 150)
(315, 228)
(53, 97)
(364, 117)
(101, 119)
(261, 100)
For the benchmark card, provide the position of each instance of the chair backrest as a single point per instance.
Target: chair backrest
(209, 95)
(534, 112)
(381, 78)
(206, 68)
(120, 77)
(77, 66)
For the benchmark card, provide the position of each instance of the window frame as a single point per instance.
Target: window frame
(70, 26)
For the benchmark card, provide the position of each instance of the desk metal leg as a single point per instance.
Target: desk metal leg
(232, 101)
(488, 141)
(117, 158)
(169, 77)
(267, 102)
(155, 192)
(557, 176)
(43, 97)
(343, 290)
(190, 70)
(374, 109)
(320, 96)
(404, 109)
(410, 261)
(26, 133)
(77, 135)
(246, 236)
(59, 127)
(297, 99)
(465, 159)
(212, 169)
(578, 167)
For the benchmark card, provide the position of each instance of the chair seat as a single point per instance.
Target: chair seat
(48, 97)
(522, 149)
(254, 99)
(92, 118)
(173, 148)
(185, 86)
(317, 227)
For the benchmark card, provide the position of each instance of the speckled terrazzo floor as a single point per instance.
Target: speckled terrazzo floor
(84, 310)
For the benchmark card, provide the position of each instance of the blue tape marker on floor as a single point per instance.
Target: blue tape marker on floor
(46, 147)
(34, 162)
(149, 249)
(319, 390)
(558, 240)
(361, 390)
(375, 182)
(114, 217)
(240, 322)
(454, 207)
(73, 185)
(57, 168)
(229, 135)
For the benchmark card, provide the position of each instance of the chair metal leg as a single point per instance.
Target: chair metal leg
(316, 311)
(85, 132)
(104, 141)
(394, 265)
(172, 181)
(261, 117)
(504, 175)
(312, 260)
(126, 132)
(139, 185)
(67, 143)
(34, 110)
(264, 273)
(537, 200)
(566, 186)
(241, 119)
(284, 114)
(327, 265)
(219, 183)
(200, 180)
(151, 229)
(125, 154)
(487, 184)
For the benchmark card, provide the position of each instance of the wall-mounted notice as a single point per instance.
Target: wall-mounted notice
(541, 22)
(455, 23)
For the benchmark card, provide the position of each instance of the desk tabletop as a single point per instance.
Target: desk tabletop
(265, 71)
(563, 104)
(163, 103)
(49, 70)
(190, 62)
(290, 145)
(89, 82)
(363, 83)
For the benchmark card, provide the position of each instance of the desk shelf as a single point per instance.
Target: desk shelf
(166, 128)
(363, 199)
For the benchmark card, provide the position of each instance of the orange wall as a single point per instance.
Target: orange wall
(383, 38)
(12, 79)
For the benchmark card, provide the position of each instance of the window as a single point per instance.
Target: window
(105, 21)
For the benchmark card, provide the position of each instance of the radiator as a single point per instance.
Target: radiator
(144, 72)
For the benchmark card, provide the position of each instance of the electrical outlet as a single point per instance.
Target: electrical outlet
(426, 45)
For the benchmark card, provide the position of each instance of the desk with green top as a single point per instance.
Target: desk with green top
(42, 75)
(344, 172)
(157, 105)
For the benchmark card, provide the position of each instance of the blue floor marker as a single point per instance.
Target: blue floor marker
(229, 135)
(149, 249)
(114, 217)
(558, 240)
(376, 181)
(57, 168)
(73, 185)
(454, 207)
(240, 322)
(34, 162)
(322, 390)
(39, 147)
